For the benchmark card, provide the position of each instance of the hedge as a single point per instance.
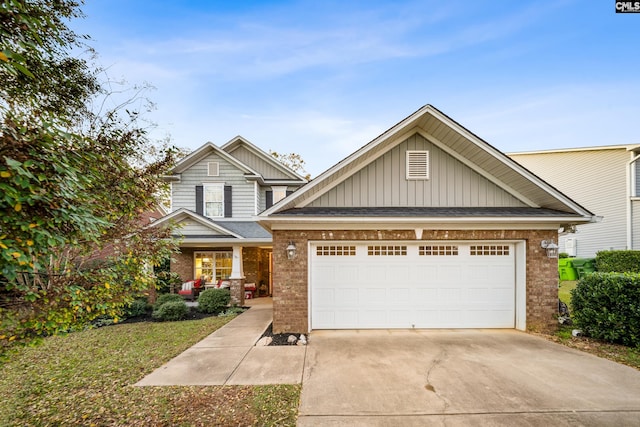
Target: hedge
(607, 306)
(618, 261)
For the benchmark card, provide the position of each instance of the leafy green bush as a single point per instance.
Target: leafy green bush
(137, 308)
(618, 261)
(213, 300)
(171, 311)
(166, 298)
(607, 306)
(563, 255)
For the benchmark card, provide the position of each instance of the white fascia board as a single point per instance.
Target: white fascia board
(415, 226)
(628, 147)
(216, 243)
(316, 223)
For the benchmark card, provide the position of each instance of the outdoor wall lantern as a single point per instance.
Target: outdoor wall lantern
(550, 247)
(291, 250)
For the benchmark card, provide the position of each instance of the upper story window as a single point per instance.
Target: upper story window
(279, 193)
(213, 169)
(417, 164)
(214, 200)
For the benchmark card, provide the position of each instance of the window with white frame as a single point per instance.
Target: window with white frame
(279, 193)
(213, 200)
(213, 266)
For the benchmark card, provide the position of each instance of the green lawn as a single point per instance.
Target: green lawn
(87, 378)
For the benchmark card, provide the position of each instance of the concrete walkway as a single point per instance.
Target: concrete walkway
(229, 356)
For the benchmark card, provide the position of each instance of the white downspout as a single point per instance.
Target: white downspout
(630, 193)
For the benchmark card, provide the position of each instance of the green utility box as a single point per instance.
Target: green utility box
(584, 266)
(566, 269)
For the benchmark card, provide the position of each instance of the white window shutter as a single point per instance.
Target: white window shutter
(417, 165)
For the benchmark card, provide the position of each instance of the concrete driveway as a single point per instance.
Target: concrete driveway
(460, 378)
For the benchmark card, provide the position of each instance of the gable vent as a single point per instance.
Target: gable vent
(417, 165)
(213, 169)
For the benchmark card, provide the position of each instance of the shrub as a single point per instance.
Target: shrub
(607, 306)
(213, 300)
(137, 308)
(171, 311)
(164, 298)
(232, 311)
(618, 261)
(563, 255)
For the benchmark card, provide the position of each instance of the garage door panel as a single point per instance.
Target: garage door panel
(375, 295)
(325, 297)
(407, 286)
(400, 296)
(347, 296)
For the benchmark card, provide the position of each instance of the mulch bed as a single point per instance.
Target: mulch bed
(278, 339)
(193, 314)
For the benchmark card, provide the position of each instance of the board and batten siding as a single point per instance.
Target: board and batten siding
(183, 193)
(264, 168)
(596, 179)
(383, 183)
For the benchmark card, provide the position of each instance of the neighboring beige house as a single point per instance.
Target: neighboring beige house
(605, 180)
(216, 192)
(426, 226)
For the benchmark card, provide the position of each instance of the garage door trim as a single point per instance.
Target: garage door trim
(519, 249)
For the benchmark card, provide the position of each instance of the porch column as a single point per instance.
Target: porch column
(237, 278)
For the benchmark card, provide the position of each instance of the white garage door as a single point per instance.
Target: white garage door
(409, 285)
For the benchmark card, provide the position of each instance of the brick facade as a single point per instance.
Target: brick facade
(290, 277)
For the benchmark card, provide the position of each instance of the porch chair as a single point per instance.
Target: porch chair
(191, 289)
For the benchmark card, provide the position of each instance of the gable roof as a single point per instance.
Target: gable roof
(627, 147)
(203, 152)
(222, 233)
(239, 141)
(458, 142)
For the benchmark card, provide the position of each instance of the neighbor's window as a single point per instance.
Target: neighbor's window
(279, 193)
(214, 200)
(417, 165)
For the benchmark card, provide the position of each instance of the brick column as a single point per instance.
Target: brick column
(237, 278)
(237, 291)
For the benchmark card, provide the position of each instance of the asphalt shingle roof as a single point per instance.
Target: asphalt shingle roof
(397, 211)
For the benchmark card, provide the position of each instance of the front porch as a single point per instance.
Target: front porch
(245, 271)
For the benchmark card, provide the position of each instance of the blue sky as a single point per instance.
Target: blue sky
(322, 78)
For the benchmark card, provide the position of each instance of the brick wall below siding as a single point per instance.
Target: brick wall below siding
(290, 277)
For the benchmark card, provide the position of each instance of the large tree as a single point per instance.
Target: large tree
(73, 183)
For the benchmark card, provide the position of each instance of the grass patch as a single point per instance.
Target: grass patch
(87, 378)
(616, 352)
